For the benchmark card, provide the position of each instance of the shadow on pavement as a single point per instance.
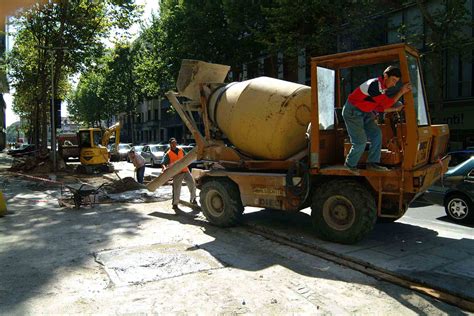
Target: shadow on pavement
(40, 241)
(236, 248)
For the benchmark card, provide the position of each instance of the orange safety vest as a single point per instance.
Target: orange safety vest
(175, 157)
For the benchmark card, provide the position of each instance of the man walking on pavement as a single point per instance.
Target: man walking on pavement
(172, 156)
(139, 164)
(358, 116)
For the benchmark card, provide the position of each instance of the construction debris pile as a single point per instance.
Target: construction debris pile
(123, 185)
(35, 164)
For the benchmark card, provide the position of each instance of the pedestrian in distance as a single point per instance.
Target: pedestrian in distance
(358, 112)
(171, 157)
(139, 163)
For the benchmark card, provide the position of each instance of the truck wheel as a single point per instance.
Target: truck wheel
(220, 202)
(459, 208)
(343, 211)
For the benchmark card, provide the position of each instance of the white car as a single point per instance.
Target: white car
(153, 154)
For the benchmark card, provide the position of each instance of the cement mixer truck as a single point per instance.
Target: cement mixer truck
(288, 143)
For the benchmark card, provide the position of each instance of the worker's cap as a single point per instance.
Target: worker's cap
(172, 139)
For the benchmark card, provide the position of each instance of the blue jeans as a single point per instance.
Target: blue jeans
(140, 174)
(360, 127)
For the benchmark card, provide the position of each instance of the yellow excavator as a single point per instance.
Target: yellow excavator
(94, 155)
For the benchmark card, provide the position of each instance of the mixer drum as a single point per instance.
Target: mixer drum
(265, 118)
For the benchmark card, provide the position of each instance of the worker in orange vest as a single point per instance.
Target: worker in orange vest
(171, 156)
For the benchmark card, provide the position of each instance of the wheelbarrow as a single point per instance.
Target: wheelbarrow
(83, 193)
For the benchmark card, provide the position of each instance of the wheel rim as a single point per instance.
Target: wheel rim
(215, 203)
(339, 213)
(458, 208)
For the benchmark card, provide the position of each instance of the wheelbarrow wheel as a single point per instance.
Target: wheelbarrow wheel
(77, 201)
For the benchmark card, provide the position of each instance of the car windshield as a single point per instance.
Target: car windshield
(138, 148)
(124, 146)
(158, 148)
(462, 168)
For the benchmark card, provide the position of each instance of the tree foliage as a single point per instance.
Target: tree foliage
(56, 40)
(106, 89)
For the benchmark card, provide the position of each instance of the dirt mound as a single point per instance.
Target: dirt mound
(123, 185)
(41, 163)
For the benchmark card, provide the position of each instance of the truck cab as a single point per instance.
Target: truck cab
(412, 147)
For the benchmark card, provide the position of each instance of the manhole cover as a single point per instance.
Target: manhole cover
(154, 262)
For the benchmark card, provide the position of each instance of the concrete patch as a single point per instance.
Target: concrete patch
(154, 262)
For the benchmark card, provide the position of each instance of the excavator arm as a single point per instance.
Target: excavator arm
(108, 133)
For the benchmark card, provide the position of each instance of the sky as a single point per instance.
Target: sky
(150, 7)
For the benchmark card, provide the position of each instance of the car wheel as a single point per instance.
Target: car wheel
(459, 208)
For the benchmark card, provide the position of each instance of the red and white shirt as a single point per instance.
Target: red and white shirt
(371, 96)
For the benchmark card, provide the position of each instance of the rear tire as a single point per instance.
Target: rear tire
(343, 211)
(221, 203)
(459, 208)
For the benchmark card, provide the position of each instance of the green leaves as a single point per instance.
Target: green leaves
(57, 40)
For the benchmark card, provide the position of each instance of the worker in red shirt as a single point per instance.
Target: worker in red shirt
(359, 118)
(171, 156)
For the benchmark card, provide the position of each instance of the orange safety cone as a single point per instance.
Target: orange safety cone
(3, 205)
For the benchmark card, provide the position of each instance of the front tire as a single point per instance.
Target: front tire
(221, 203)
(459, 208)
(343, 211)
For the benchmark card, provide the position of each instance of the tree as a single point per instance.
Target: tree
(56, 40)
(106, 89)
(449, 29)
(215, 31)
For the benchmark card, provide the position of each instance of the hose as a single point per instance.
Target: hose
(300, 189)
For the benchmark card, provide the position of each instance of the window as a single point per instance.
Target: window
(97, 137)
(459, 76)
(417, 90)
(326, 97)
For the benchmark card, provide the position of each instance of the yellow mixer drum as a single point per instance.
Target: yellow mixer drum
(264, 117)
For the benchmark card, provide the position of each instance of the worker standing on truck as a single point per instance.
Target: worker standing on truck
(172, 156)
(358, 113)
(139, 163)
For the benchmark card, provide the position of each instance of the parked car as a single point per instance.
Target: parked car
(456, 192)
(24, 149)
(137, 149)
(122, 154)
(460, 156)
(153, 154)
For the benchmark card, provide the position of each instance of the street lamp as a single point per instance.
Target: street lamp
(52, 49)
